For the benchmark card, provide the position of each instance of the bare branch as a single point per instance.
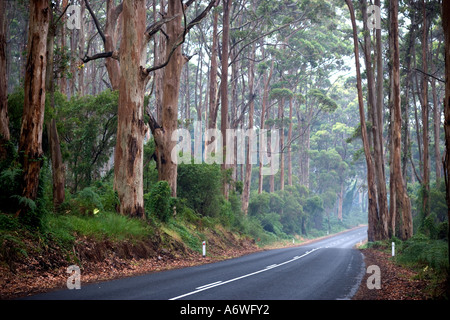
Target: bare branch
(430, 75)
(97, 56)
(96, 22)
(193, 23)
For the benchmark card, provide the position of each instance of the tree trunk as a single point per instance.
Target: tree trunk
(248, 163)
(375, 109)
(400, 205)
(341, 201)
(171, 87)
(128, 156)
(289, 142)
(446, 162)
(281, 117)
(112, 25)
(30, 142)
(436, 121)
(160, 54)
(4, 119)
(213, 106)
(425, 114)
(263, 119)
(372, 231)
(224, 85)
(62, 79)
(58, 174)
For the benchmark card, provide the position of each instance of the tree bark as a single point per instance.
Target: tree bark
(112, 26)
(374, 222)
(375, 109)
(4, 118)
(58, 171)
(281, 117)
(400, 205)
(263, 119)
(160, 55)
(248, 163)
(128, 157)
(171, 87)
(425, 114)
(224, 86)
(30, 142)
(213, 106)
(289, 143)
(446, 162)
(436, 121)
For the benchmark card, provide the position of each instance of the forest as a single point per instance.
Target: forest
(113, 117)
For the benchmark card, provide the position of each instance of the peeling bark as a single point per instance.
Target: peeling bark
(128, 157)
(30, 142)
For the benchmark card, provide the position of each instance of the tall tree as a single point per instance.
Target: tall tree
(248, 163)
(162, 130)
(400, 205)
(213, 97)
(446, 163)
(373, 232)
(425, 114)
(30, 142)
(110, 37)
(375, 110)
(224, 85)
(58, 179)
(171, 87)
(4, 119)
(128, 156)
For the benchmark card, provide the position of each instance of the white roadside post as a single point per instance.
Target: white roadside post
(204, 248)
(393, 248)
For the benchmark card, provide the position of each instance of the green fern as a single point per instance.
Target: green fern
(26, 202)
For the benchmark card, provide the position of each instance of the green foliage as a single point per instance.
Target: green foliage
(289, 211)
(88, 125)
(88, 200)
(158, 201)
(109, 225)
(434, 224)
(8, 222)
(422, 251)
(280, 93)
(200, 185)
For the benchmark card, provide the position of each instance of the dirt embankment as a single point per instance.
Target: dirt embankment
(44, 267)
(397, 283)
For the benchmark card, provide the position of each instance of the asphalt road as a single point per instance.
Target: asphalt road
(329, 269)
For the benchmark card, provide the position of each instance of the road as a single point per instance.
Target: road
(328, 269)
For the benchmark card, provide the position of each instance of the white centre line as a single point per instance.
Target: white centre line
(208, 285)
(219, 283)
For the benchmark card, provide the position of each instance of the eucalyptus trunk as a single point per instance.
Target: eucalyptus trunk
(30, 142)
(128, 156)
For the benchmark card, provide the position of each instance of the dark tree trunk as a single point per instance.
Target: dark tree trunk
(4, 119)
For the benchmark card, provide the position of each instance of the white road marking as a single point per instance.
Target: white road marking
(208, 285)
(219, 283)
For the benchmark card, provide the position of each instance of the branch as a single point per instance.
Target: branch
(430, 75)
(97, 23)
(97, 56)
(155, 27)
(193, 23)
